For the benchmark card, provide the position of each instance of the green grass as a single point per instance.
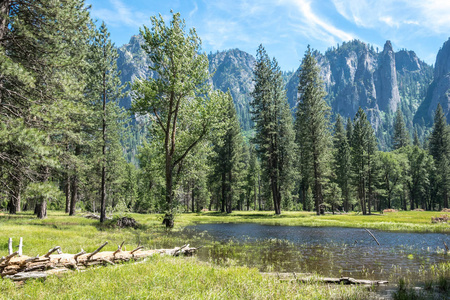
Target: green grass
(181, 278)
(411, 221)
(172, 278)
(156, 278)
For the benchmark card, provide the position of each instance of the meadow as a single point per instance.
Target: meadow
(178, 277)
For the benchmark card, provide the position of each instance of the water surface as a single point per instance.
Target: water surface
(329, 251)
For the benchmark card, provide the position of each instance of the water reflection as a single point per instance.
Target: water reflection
(329, 251)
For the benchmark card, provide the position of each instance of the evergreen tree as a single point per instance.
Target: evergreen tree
(273, 126)
(363, 146)
(401, 136)
(349, 129)
(42, 44)
(105, 90)
(416, 141)
(342, 162)
(419, 176)
(439, 149)
(313, 126)
(228, 150)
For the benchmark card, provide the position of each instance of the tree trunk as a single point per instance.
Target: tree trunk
(42, 208)
(103, 192)
(74, 195)
(229, 195)
(193, 196)
(223, 189)
(316, 185)
(14, 202)
(259, 192)
(168, 218)
(67, 190)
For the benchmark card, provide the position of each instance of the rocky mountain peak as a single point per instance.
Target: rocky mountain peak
(442, 66)
(388, 47)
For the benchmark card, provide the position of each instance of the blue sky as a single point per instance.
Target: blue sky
(286, 27)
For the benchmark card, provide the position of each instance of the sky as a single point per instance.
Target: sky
(286, 27)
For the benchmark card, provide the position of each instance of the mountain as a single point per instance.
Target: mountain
(439, 89)
(355, 75)
(233, 70)
(133, 63)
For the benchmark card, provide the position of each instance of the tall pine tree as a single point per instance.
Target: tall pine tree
(313, 127)
(273, 126)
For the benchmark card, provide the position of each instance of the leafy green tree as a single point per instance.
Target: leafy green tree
(401, 136)
(313, 126)
(273, 126)
(178, 98)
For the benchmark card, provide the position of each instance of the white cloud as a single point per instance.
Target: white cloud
(119, 14)
(432, 16)
(316, 26)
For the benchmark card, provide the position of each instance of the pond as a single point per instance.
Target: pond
(328, 251)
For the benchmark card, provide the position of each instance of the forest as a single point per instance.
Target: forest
(65, 141)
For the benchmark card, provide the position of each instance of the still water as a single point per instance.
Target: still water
(329, 251)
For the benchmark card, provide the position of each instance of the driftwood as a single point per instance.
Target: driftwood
(309, 278)
(25, 267)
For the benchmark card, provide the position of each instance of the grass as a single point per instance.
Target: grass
(172, 278)
(410, 221)
(183, 278)
(156, 278)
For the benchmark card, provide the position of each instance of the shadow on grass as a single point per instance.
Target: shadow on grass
(250, 216)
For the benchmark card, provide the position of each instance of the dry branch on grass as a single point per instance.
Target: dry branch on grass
(23, 267)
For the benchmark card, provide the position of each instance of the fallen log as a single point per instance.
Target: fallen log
(25, 267)
(305, 278)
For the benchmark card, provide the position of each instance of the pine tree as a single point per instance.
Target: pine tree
(401, 136)
(349, 129)
(104, 88)
(416, 141)
(342, 162)
(313, 126)
(439, 149)
(363, 146)
(273, 126)
(228, 150)
(42, 47)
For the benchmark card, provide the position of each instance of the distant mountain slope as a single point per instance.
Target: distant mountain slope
(356, 75)
(233, 70)
(439, 90)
